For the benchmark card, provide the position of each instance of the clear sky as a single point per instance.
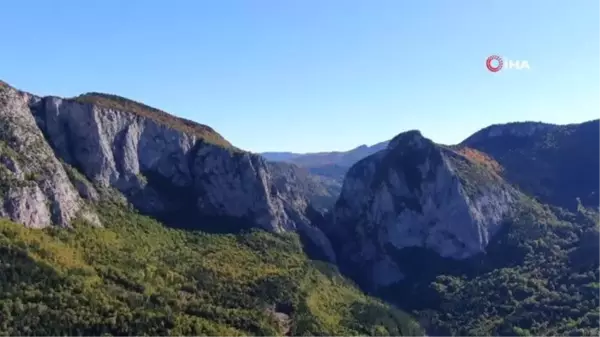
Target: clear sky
(315, 75)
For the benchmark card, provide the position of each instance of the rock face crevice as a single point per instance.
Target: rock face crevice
(415, 194)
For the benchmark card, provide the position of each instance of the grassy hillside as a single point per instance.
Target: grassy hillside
(136, 277)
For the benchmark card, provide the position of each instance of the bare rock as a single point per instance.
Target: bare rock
(37, 189)
(417, 194)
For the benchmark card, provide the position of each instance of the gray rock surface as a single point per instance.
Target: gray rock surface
(159, 167)
(35, 188)
(416, 194)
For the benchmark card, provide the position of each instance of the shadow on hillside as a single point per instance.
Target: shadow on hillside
(421, 267)
(181, 211)
(179, 207)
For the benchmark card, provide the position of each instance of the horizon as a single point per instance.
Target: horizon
(322, 151)
(316, 77)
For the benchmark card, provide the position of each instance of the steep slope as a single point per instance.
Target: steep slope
(539, 276)
(291, 177)
(416, 194)
(108, 168)
(168, 167)
(136, 277)
(555, 163)
(439, 231)
(34, 187)
(327, 169)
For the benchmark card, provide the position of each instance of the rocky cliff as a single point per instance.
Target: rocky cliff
(417, 194)
(165, 166)
(489, 237)
(35, 188)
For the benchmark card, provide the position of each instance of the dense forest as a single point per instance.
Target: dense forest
(539, 276)
(137, 277)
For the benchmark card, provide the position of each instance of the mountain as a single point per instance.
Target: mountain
(474, 242)
(122, 219)
(413, 194)
(542, 158)
(280, 156)
(327, 168)
(319, 159)
(167, 167)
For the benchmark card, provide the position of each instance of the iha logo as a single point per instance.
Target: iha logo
(496, 63)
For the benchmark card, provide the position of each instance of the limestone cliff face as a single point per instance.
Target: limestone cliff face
(34, 188)
(417, 194)
(123, 150)
(162, 164)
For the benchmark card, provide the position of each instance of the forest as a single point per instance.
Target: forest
(137, 277)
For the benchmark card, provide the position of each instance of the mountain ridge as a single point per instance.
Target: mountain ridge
(416, 223)
(159, 167)
(324, 158)
(89, 183)
(390, 216)
(403, 185)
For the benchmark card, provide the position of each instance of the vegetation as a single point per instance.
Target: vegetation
(115, 102)
(538, 277)
(136, 277)
(476, 171)
(555, 164)
(480, 158)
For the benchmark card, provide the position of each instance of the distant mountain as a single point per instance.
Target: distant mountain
(280, 156)
(328, 168)
(319, 159)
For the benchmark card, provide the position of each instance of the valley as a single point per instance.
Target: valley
(123, 219)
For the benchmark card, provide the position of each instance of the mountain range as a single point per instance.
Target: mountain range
(327, 168)
(320, 159)
(119, 218)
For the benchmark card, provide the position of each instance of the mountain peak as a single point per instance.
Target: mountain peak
(409, 138)
(418, 194)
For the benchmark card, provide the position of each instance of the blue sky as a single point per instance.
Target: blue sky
(315, 75)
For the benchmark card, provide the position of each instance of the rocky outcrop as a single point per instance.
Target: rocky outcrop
(416, 194)
(164, 165)
(143, 159)
(35, 189)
